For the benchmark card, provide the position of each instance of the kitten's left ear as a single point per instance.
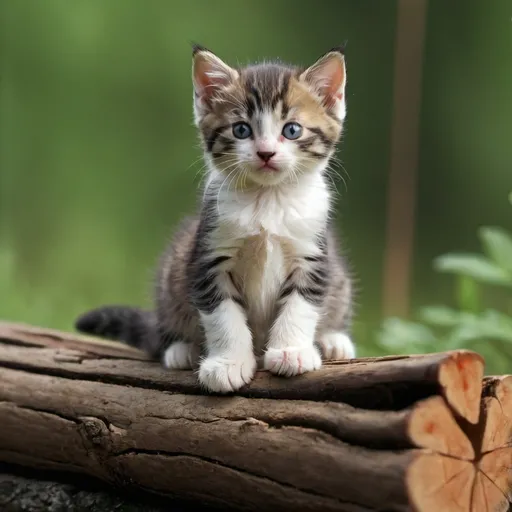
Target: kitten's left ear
(209, 73)
(327, 77)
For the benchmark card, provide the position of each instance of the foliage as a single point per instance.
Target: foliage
(471, 324)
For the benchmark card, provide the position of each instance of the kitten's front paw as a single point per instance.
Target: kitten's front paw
(291, 361)
(336, 346)
(224, 375)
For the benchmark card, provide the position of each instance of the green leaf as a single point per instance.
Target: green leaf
(467, 293)
(441, 316)
(488, 326)
(498, 246)
(401, 336)
(476, 266)
(501, 322)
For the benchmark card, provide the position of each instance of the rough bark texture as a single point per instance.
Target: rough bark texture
(396, 433)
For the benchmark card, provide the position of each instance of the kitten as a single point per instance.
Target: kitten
(256, 276)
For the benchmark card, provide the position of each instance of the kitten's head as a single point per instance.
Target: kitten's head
(269, 123)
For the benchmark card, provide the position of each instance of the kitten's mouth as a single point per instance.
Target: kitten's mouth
(268, 168)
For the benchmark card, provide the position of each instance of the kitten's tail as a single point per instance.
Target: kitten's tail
(133, 326)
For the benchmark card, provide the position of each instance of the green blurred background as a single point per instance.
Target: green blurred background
(99, 158)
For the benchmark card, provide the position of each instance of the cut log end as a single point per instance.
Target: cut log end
(466, 471)
(493, 485)
(495, 465)
(437, 483)
(461, 376)
(497, 408)
(433, 426)
(450, 479)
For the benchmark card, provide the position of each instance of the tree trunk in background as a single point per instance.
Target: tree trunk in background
(410, 33)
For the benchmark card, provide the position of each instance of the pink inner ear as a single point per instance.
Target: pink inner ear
(329, 79)
(201, 75)
(209, 75)
(203, 80)
(337, 79)
(333, 78)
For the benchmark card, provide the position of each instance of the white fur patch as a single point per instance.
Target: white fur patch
(181, 356)
(292, 361)
(291, 348)
(224, 375)
(296, 324)
(230, 362)
(336, 346)
(296, 210)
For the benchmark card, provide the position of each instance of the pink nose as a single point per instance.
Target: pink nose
(265, 155)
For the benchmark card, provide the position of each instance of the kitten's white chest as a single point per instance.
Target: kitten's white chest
(267, 231)
(263, 265)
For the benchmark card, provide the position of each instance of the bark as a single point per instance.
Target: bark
(398, 433)
(392, 382)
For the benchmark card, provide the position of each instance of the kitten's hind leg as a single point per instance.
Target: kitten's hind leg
(336, 345)
(181, 355)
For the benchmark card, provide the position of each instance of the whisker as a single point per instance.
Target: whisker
(220, 189)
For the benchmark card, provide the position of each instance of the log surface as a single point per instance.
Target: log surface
(413, 428)
(391, 382)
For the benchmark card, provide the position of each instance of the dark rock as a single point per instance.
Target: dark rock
(21, 494)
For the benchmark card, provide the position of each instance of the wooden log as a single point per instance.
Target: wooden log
(392, 382)
(69, 404)
(495, 464)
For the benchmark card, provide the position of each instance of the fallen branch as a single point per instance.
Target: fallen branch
(395, 433)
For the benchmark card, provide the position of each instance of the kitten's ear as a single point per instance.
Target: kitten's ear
(327, 77)
(209, 73)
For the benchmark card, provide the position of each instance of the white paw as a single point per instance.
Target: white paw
(224, 375)
(181, 356)
(336, 345)
(291, 361)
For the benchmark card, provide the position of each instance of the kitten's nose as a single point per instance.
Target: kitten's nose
(265, 155)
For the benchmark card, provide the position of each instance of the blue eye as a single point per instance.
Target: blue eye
(242, 130)
(292, 131)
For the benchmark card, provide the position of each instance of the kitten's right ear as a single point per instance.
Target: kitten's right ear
(209, 75)
(327, 77)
